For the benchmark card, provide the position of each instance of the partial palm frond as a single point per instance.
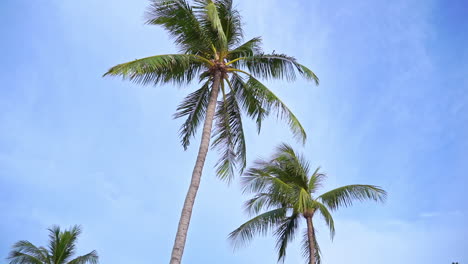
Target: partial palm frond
(306, 248)
(209, 17)
(249, 48)
(322, 209)
(64, 245)
(285, 234)
(18, 257)
(315, 181)
(30, 249)
(229, 138)
(231, 22)
(249, 100)
(346, 195)
(259, 102)
(294, 167)
(260, 224)
(178, 18)
(91, 258)
(273, 104)
(172, 68)
(261, 178)
(194, 107)
(275, 66)
(264, 201)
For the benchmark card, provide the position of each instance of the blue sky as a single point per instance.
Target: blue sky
(391, 110)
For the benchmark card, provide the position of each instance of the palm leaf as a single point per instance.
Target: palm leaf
(91, 258)
(326, 216)
(249, 48)
(194, 107)
(315, 181)
(346, 195)
(285, 234)
(260, 224)
(209, 17)
(178, 18)
(230, 21)
(275, 66)
(172, 68)
(305, 248)
(272, 103)
(229, 138)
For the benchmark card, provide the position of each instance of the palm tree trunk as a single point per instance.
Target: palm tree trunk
(184, 221)
(311, 238)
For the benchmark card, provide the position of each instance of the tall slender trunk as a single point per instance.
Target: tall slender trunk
(186, 214)
(311, 238)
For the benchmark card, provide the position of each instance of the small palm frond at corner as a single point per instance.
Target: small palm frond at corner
(60, 250)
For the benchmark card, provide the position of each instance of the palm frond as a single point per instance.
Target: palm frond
(178, 18)
(231, 21)
(249, 48)
(306, 250)
(294, 166)
(91, 258)
(65, 244)
(315, 181)
(261, 178)
(264, 201)
(209, 17)
(248, 100)
(275, 66)
(346, 195)
(260, 224)
(326, 216)
(18, 257)
(171, 68)
(285, 234)
(30, 249)
(259, 102)
(194, 107)
(229, 138)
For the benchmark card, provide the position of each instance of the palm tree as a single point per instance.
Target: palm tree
(60, 250)
(209, 36)
(284, 189)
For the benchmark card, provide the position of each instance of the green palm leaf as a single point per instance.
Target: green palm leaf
(177, 17)
(346, 195)
(228, 138)
(260, 224)
(275, 66)
(285, 233)
(194, 107)
(171, 68)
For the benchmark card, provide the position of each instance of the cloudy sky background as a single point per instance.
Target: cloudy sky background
(391, 110)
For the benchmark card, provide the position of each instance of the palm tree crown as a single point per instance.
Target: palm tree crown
(60, 250)
(209, 36)
(286, 190)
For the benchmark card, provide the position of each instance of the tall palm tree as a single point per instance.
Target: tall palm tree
(60, 250)
(286, 190)
(209, 36)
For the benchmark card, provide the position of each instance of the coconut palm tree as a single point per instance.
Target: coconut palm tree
(285, 192)
(60, 250)
(209, 36)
